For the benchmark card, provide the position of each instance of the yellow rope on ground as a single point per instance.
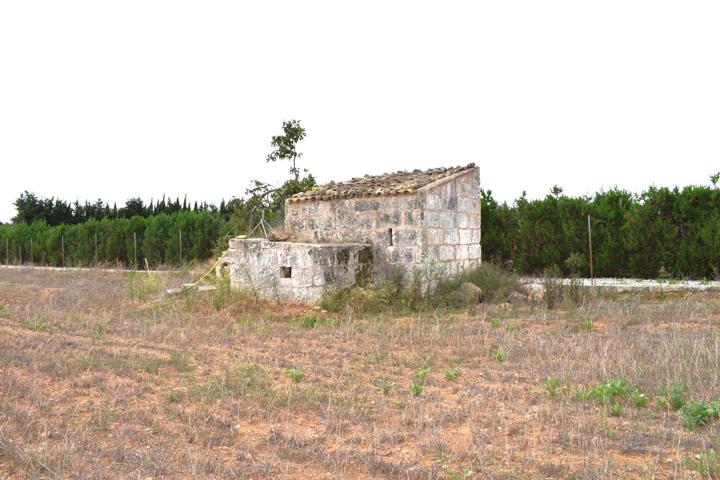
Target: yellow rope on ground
(208, 272)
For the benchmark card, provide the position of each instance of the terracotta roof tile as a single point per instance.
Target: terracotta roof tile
(379, 185)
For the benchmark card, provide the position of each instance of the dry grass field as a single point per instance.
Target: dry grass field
(102, 377)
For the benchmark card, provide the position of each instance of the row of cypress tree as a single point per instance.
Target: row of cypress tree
(55, 211)
(659, 232)
(164, 239)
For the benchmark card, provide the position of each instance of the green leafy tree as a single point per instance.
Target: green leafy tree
(285, 146)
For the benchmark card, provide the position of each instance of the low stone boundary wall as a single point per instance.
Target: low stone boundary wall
(296, 272)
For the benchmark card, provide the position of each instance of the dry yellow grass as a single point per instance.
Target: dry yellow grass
(103, 379)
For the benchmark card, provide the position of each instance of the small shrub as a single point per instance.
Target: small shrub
(241, 379)
(640, 399)
(495, 286)
(552, 284)
(222, 295)
(422, 374)
(495, 322)
(697, 413)
(262, 330)
(99, 329)
(416, 388)
(706, 463)
(390, 293)
(616, 387)
(673, 398)
(36, 325)
(554, 386)
(245, 378)
(451, 373)
(385, 386)
(308, 321)
(295, 374)
(143, 286)
(173, 396)
(499, 354)
(513, 327)
(558, 290)
(393, 293)
(573, 291)
(312, 320)
(613, 392)
(152, 366)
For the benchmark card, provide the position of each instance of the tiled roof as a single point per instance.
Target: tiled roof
(379, 185)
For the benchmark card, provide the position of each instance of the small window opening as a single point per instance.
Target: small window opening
(390, 236)
(286, 272)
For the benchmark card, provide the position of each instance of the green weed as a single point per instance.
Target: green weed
(697, 413)
(173, 396)
(706, 463)
(295, 374)
(312, 320)
(640, 399)
(142, 286)
(393, 293)
(513, 327)
(178, 361)
(554, 386)
(241, 379)
(422, 374)
(385, 386)
(613, 392)
(416, 388)
(500, 354)
(610, 390)
(673, 398)
(451, 373)
(35, 325)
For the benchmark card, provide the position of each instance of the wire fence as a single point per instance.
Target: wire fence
(127, 252)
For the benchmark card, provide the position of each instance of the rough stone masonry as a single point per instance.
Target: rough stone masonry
(420, 220)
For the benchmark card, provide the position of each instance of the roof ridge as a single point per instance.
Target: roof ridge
(392, 183)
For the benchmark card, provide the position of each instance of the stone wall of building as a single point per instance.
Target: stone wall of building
(392, 224)
(437, 226)
(451, 223)
(296, 272)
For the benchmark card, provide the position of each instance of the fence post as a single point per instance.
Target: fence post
(31, 252)
(7, 251)
(96, 257)
(62, 249)
(134, 250)
(592, 275)
(181, 247)
(20, 254)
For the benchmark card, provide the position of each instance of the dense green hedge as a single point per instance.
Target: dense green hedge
(157, 239)
(677, 230)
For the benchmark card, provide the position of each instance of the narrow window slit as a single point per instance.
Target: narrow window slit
(390, 236)
(286, 272)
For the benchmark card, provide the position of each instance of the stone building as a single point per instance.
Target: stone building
(343, 233)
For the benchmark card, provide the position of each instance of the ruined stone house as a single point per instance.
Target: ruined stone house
(340, 234)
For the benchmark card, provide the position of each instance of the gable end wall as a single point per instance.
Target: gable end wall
(451, 223)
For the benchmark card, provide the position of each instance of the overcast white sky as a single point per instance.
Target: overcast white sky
(140, 98)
